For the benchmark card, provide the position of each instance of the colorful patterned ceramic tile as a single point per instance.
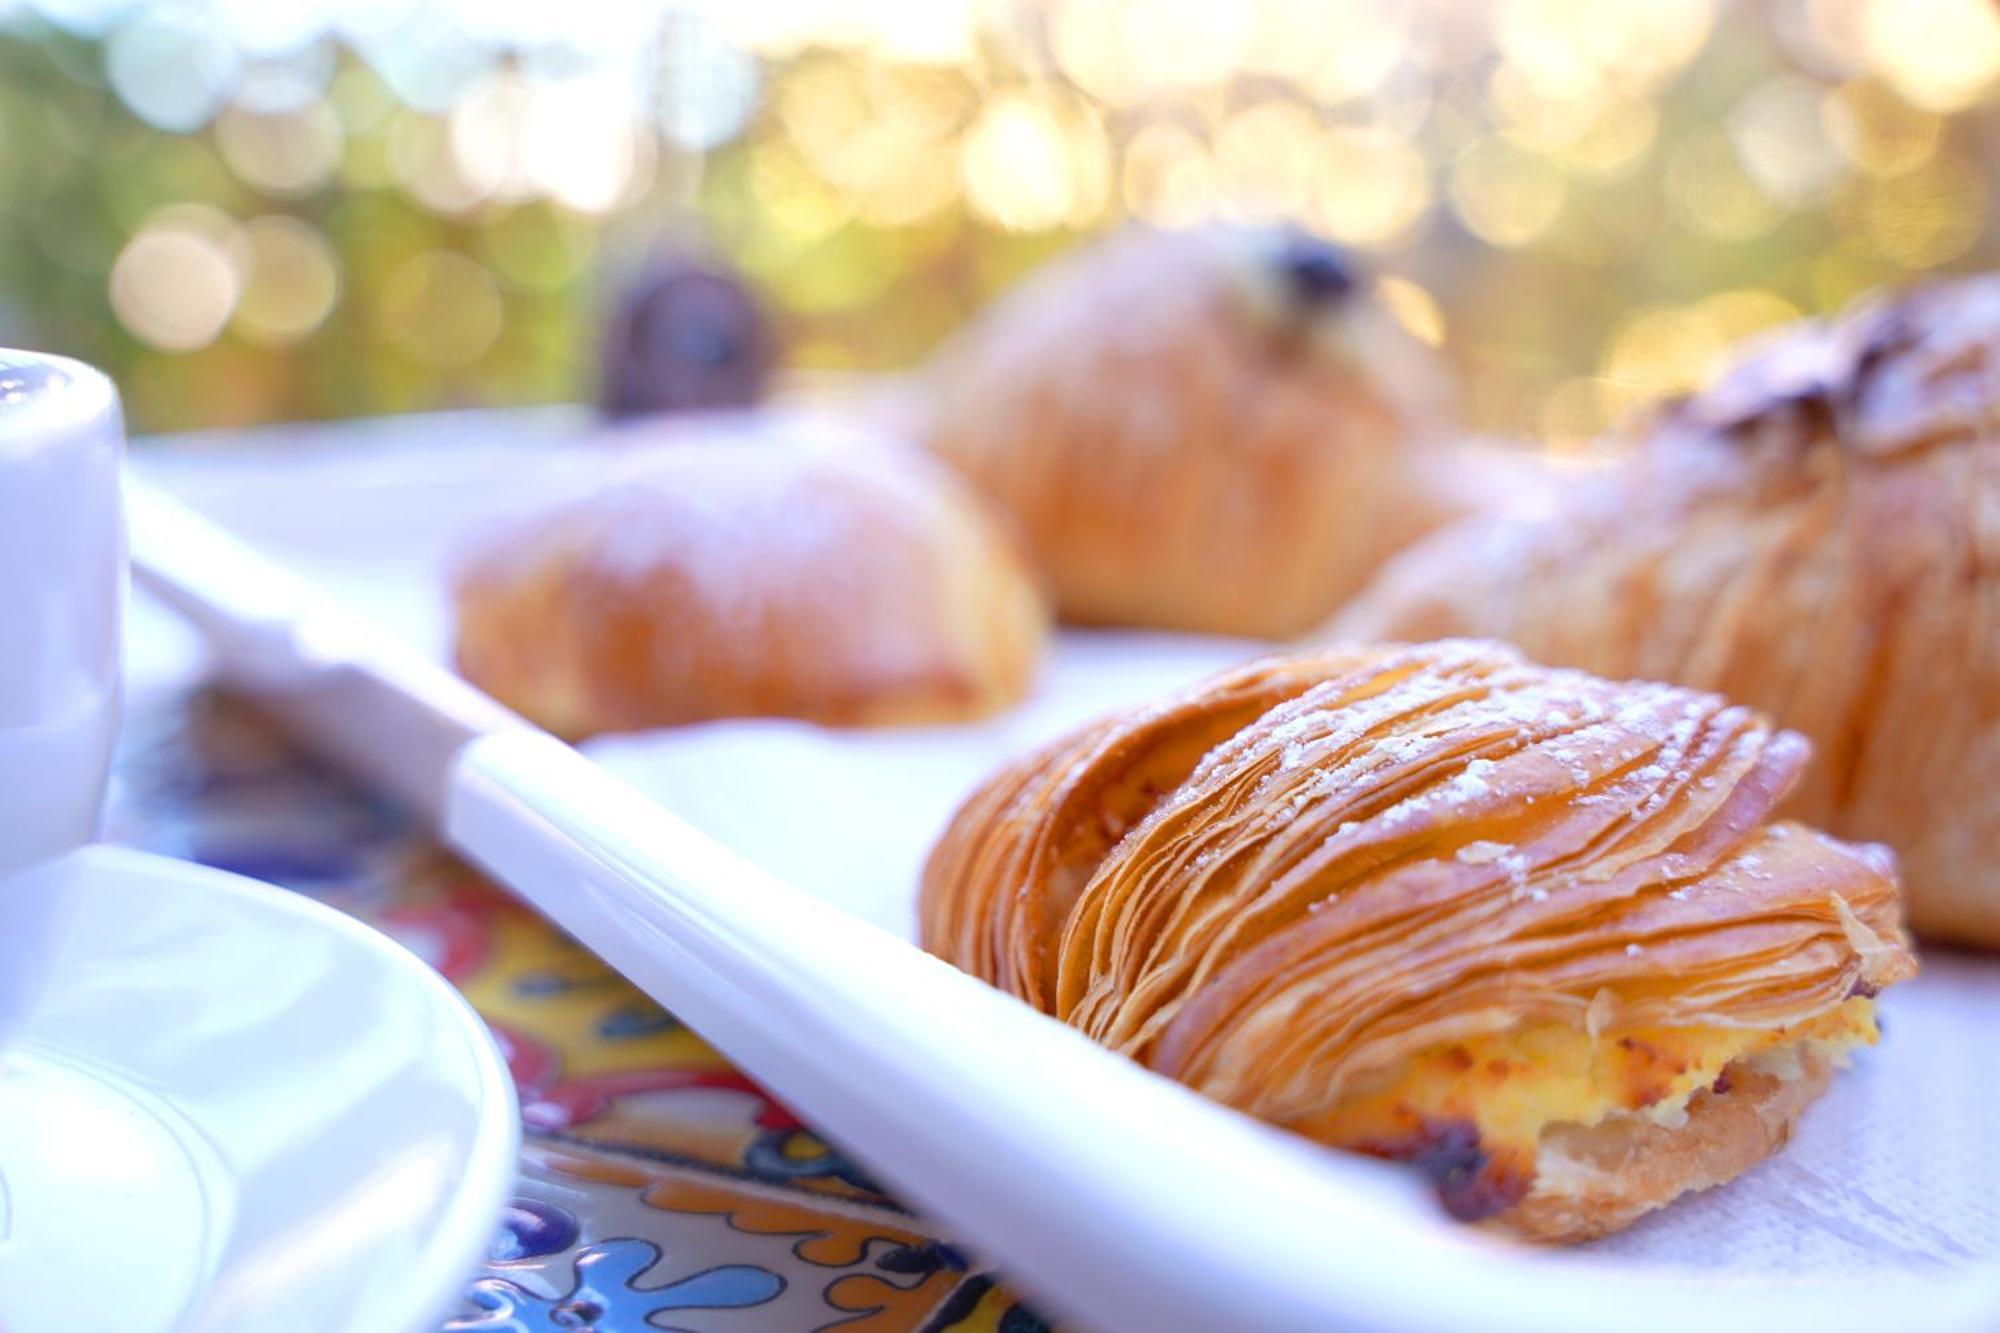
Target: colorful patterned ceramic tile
(660, 1189)
(856, 1266)
(597, 1062)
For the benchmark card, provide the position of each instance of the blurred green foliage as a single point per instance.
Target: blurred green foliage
(1584, 202)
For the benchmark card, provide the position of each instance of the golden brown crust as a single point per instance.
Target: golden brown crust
(1818, 536)
(1612, 1174)
(1022, 848)
(1186, 445)
(1309, 870)
(833, 579)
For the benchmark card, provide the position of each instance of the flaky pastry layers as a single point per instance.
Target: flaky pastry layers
(1214, 429)
(1532, 930)
(779, 571)
(1816, 535)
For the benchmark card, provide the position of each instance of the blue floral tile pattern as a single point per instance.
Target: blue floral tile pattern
(606, 1294)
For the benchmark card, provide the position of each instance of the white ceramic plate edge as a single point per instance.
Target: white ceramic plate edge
(428, 1284)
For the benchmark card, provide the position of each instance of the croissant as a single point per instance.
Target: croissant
(1528, 929)
(1213, 430)
(780, 570)
(1816, 535)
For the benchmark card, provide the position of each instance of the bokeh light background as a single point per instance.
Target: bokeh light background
(253, 211)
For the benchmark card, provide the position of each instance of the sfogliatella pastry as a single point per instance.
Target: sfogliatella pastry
(781, 570)
(1531, 930)
(1215, 430)
(1816, 535)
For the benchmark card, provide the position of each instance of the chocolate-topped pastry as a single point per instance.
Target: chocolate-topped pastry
(686, 335)
(1214, 429)
(1816, 534)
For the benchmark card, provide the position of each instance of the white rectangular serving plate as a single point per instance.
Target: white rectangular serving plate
(1885, 1208)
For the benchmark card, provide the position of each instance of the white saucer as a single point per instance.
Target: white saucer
(234, 1109)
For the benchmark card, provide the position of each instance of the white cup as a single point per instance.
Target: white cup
(62, 592)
